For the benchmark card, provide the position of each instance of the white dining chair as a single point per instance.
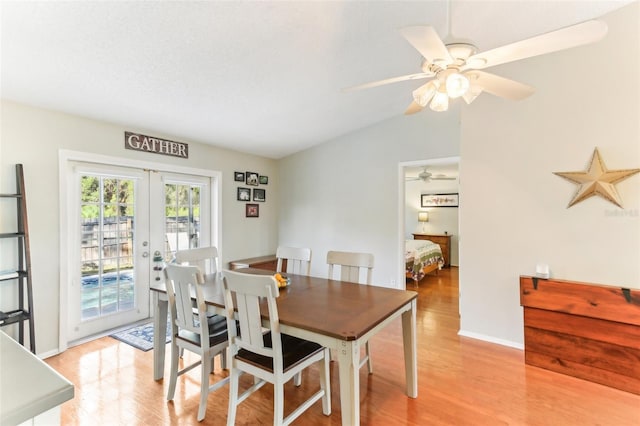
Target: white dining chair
(271, 357)
(298, 260)
(205, 258)
(356, 268)
(207, 261)
(192, 330)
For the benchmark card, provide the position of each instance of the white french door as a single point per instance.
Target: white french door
(124, 224)
(181, 206)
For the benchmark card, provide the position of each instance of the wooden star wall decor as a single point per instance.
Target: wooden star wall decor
(597, 180)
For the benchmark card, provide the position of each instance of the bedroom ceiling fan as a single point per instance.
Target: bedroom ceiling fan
(455, 66)
(426, 176)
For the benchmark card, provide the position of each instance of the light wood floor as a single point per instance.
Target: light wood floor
(462, 381)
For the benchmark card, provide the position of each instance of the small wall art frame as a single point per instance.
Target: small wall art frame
(259, 194)
(251, 178)
(244, 194)
(439, 200)
(238, 176)
(252, 210)
(264, 180)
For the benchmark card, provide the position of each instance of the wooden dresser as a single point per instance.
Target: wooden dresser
(444, 241)
(268, 262)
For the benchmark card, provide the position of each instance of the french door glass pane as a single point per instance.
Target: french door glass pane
(182, 218)
(107, 222)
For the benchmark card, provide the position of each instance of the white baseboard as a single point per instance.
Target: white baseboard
(491, 339)
(49, 354)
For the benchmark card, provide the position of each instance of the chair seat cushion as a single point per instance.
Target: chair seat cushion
(294, 350)
(217, 331)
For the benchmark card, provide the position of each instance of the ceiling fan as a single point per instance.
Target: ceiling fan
(426, 176)
(455, 67)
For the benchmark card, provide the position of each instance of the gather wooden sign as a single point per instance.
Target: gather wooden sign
(138, 142)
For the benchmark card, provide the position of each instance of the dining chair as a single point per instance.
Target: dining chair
(205, 258)
(269, 356)
(192, 330)
(352, 267)
(298, 260)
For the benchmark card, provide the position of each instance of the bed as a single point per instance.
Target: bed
(422, 257)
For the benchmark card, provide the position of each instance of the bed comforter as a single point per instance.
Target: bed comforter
(421, 253)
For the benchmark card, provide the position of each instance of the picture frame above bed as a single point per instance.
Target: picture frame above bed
(439, 200)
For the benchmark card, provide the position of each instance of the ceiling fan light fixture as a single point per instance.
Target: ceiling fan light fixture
(423, 94)
(471, 94)
(457, 85)
(440, 101)
(476, 62)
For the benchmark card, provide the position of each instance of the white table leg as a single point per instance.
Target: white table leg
(348, 369)
(410, 350)
(159, 335)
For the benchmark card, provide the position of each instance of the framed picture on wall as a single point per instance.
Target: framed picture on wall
(244, 194)
(253, 210)
(251, 178)
(439, 200)
(258, 194)
(264, 180)
(238, 176)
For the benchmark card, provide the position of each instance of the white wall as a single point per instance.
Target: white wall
(343, 194)
(34, 136)
(441, 219)
(515, 210)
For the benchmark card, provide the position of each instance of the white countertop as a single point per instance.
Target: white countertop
(28, 386)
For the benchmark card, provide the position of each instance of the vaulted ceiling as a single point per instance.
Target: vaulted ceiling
(259, 77)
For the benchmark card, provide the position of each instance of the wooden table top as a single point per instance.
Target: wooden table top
(334, 308)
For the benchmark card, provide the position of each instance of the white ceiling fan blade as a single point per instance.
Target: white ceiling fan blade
(499, 86)
(413, 108)
(565, 38)
(423, 94)
(377, 83)
(427, 41)
(442, 178)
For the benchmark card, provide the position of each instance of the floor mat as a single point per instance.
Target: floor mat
(140, 336)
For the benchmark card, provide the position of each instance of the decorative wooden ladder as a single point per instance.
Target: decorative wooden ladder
(22, 274)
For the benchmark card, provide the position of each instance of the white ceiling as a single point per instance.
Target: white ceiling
(260, 77)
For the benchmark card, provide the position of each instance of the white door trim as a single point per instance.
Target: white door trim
(65, 157)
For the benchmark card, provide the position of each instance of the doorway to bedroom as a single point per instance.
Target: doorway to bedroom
(429, 211)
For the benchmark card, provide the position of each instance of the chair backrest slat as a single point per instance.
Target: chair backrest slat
(298, 260)
(351, 264)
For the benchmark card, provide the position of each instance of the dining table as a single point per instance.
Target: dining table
(339, 315)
